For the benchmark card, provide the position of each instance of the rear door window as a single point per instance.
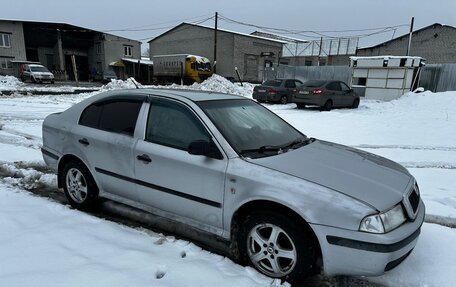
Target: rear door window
(272, 83)
(333, 86)
(290, 84)
(118, 116)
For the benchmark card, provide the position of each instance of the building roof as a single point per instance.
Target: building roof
(406, 35)
(63, 27)
(218, 29)
(277, 37)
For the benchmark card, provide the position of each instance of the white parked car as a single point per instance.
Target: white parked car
(37, 74)
(227, 167)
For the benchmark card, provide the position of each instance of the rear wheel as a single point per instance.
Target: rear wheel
(79, 186)
(284, 100)
(327, 106)
(277, 246)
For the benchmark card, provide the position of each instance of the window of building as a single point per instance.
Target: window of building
(308, 63)
(105, 116)
(128, 51)
(98, 48)
(5, 63)
(5, 40)
(174, 125)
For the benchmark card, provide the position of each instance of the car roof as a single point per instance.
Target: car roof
(192, 95)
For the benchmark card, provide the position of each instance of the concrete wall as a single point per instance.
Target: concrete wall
(247, 52)
(113, 50)
(233, 50)
(435, 43)
(17, 49)
(189, 39)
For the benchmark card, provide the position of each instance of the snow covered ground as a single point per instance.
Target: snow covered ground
(43, 242)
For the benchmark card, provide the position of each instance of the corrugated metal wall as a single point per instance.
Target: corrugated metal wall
(438, 77)
(305, 73)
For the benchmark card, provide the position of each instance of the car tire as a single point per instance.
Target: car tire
(327, 106)
(355, 104)
(301, 106)
(277, 246)
(283, 100)
(79, 186)
(22, 78)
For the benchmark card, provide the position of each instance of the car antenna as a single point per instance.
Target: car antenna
(134, 82)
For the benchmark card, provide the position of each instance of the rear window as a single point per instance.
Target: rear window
(313, 83)
(112, 116)
(272, 83)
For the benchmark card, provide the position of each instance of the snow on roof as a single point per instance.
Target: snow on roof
(221, 30)
(386, 57)
(142, 61)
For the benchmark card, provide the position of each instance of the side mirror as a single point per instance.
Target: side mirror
(202, 147)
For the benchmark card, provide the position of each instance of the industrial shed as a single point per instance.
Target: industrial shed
(53, 45)
(249, 54)
(435, 43)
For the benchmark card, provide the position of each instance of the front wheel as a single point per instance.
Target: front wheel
(79, 186)
(301, 106)
(355, 104)
(277, 246)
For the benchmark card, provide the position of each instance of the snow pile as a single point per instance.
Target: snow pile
(28, 177)
(43, 242)
(9, 83)
(120, 84)
(219, 84)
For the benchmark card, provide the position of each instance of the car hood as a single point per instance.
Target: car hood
(372, 179)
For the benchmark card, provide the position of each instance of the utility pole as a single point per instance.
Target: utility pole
(215, 43)
(410, 36)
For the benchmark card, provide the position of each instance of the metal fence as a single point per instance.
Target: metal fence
(305, 73)
(434, 77)
(438, 77)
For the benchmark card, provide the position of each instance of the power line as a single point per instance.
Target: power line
(193, 23)
(305, 33)
(151, 27)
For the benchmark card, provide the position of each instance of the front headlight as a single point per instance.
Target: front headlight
(383, 222)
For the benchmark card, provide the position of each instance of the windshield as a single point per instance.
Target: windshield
(39, 69)
(200, 66)
(249, 128)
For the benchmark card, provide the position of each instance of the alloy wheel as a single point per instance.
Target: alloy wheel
(271, 250)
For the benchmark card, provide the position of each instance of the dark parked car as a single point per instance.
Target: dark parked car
(276, 91)
(326, 95)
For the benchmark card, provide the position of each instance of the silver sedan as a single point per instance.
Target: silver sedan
(227, 167)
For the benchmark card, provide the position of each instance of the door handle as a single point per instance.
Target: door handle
(144, 157)
(84, 141)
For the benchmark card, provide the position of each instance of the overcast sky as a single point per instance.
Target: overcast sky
(300, 15)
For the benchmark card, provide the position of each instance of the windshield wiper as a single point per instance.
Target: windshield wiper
(297, 143)
(262, 149)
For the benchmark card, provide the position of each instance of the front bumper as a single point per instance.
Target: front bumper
(351, 252)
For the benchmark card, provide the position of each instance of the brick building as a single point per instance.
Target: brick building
(249, 54)
(53, 44)
(436, 43)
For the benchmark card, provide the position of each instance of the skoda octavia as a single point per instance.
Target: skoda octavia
(229, 168)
